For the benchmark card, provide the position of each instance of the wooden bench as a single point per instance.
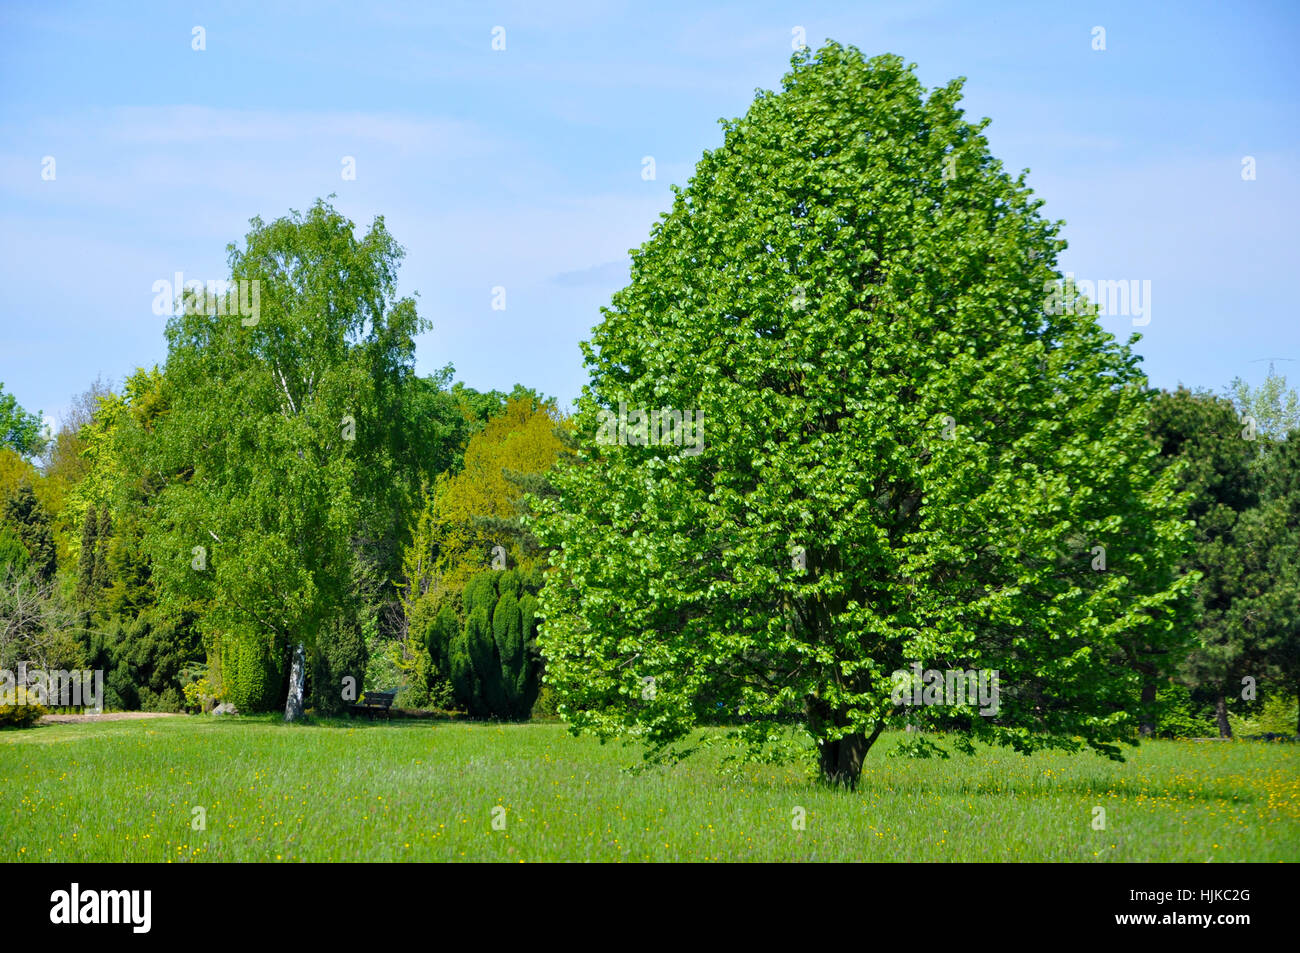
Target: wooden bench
(372, 702)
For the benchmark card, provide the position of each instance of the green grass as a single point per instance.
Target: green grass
(125, 790)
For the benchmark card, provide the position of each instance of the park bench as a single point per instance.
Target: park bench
(372, 702)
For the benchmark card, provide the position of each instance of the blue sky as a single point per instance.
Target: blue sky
(521, 168)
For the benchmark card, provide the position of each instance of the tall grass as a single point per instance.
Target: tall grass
(358, 791)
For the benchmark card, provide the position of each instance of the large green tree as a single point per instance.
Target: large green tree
(908, 454)
(287, 446)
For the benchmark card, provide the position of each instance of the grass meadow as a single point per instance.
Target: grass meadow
(419, 790)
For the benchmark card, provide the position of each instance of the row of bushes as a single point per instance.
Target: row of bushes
(488, 651)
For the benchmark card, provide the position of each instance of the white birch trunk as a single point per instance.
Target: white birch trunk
(297, 675)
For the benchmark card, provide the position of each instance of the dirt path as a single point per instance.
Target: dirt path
(109, 716)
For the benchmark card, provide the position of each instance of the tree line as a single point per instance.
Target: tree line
(264, 492)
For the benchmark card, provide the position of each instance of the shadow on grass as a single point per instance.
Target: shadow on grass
(1033, 788)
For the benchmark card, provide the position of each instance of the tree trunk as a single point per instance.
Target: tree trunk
(1221, 712)
(841, 761)
(297, 674)
(1148, 727)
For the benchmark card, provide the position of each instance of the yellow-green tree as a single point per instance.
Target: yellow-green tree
(470, 519)
(468, 514)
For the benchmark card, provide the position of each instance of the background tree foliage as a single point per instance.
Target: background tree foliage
(467, 514)
(21, 431)
(284, 449)
(470, 512)
(27, 522)
(1246, 552)
(1274, 406)
(1200, 439)
(1267, 613)
(242, 445)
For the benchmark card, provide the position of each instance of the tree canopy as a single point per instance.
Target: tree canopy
(908, 456)
(284, 442)
(22, 431)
